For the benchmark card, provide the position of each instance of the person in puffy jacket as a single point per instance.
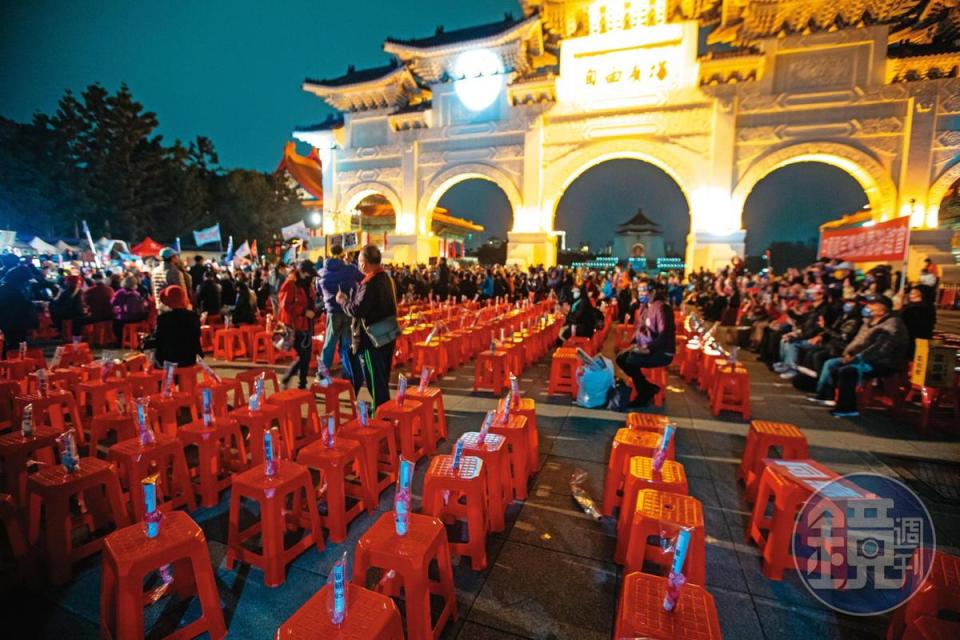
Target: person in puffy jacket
(177, 336)
(337, 276)
(19, 316)
(879, 349)
(298, 301)
(654, 342)
(128, 306)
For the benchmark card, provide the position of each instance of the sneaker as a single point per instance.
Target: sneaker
(780, 367)
(788, 375)
(810, 373)
(845, 414)
(822, 402)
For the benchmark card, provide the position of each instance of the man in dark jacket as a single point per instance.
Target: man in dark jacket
(920, 317)
(581, 321)
(834, 339)
(374, 301)
(654, 343)
(18, 317)
(879, 349)
(335, 276)
(807, 335)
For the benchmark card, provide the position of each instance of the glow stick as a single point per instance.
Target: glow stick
(26, 423)
(363, 411)
(144, 432)
(514, 390)
(676, 579)
(338, 591)
(401, 503)
(169, 370)
(67, 444)
(661, 453)
(152, 518)
(331, 430)
(485, 429)
(401, 389)
(57, 357)
(270, 450)
(207, 395)
(457, 456)
(213, 375)
(22, 351)
(323, 374)
(42, 383)
(425, 379)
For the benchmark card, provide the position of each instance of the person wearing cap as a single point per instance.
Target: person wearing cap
(879, 349)
(19, 316)
(170, 272)
(298, 301)
(177, 336)
(807, 335)
(373, 309)
(335, 276)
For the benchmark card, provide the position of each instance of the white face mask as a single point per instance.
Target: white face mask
(576, 294)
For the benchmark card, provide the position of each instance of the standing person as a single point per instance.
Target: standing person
(297, 299)
(337, 276)
(68, 305)
(373, 307)
(654, 343)
(169, 272)
(127, 306)
(196, 273)
(208, 294)
(19, 316)
(177, 336)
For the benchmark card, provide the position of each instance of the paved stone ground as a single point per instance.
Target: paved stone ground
(551, 573)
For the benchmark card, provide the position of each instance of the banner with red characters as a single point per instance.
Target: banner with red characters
(883, 242)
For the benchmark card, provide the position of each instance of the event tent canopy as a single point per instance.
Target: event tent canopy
(148, 248)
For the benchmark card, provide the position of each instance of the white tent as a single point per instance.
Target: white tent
(43, 248)
(63, 247)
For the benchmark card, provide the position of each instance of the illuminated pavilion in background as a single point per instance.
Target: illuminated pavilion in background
(869, 86)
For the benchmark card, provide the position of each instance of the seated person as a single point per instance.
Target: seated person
(879, 349)
(834, 338)
(581, 318)
(802, 338)
(654, 343)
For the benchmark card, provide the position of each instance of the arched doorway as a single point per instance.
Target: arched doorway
(625, 194)
(483, 202)
(784, 210)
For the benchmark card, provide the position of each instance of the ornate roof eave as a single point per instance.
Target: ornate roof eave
(533, 90)
(923, 67)
(391, 90)
(515, 45)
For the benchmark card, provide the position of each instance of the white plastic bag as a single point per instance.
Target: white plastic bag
(594, 384)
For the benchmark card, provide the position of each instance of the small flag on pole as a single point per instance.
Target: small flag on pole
(176, 245)
(230, 249)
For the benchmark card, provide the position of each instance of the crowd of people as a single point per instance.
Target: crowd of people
(826, 327)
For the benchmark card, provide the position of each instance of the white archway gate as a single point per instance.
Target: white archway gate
(715, 125)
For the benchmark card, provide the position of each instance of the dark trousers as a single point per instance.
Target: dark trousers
(376, 364)
(303, 345)
(631, 362)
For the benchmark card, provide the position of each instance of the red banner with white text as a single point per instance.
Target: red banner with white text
(883, 242)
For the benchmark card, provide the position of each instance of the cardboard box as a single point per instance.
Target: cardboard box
(934, 365)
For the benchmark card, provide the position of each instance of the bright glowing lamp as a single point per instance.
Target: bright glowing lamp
(480, 78)
(315, 219)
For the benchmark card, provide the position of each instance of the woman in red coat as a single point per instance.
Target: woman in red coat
(298, 304)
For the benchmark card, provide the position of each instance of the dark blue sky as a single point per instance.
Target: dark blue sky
(232, 71)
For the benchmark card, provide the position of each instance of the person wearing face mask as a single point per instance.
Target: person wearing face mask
(879, 349)
(653, 343)
(835, 339)
(581, 319)
(807, 335)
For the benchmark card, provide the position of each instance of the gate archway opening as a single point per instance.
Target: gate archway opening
(784, 210)
(483, 202)
(624, 191)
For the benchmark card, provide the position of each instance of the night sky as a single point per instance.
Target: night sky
(232, 71)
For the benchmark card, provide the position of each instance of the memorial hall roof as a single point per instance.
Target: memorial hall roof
(358, 76)
(443, 37)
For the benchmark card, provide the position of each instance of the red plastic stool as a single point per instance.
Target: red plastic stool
(657, 376)
(207, 334)
(495, 458)
(647, 422)
(379, 443)
(460, 496)
(94, 396)
(627, 444)
(341, 476)
(220, 451)
(433, 397)
(731, 390)
(300, 430)
(10, 518)
(640, 611)
(131, 334)
(623, 336)
(145, 383)
(129, 555)
(563, 373)
(58, 409)
(710, 360)
(15, 451)
(491, 372)
(939, 596)
(761, 438)
(271, 492)
(689, 361)
(332, 395)
(253, 424)
(410, 557)
(433, 354)
(123, 425)
(658, 514)
(51, 490)
(527, 407)
(186, 379)
(370, 616)
(579, 342)
(221, 395)
(785, 482)
(170, 407)
(249, 376)
(515, 430)
(410, 426)
(164, 457)
(229, 344)
(640, 475)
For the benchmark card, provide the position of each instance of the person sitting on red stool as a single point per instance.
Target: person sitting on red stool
(653, 345)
